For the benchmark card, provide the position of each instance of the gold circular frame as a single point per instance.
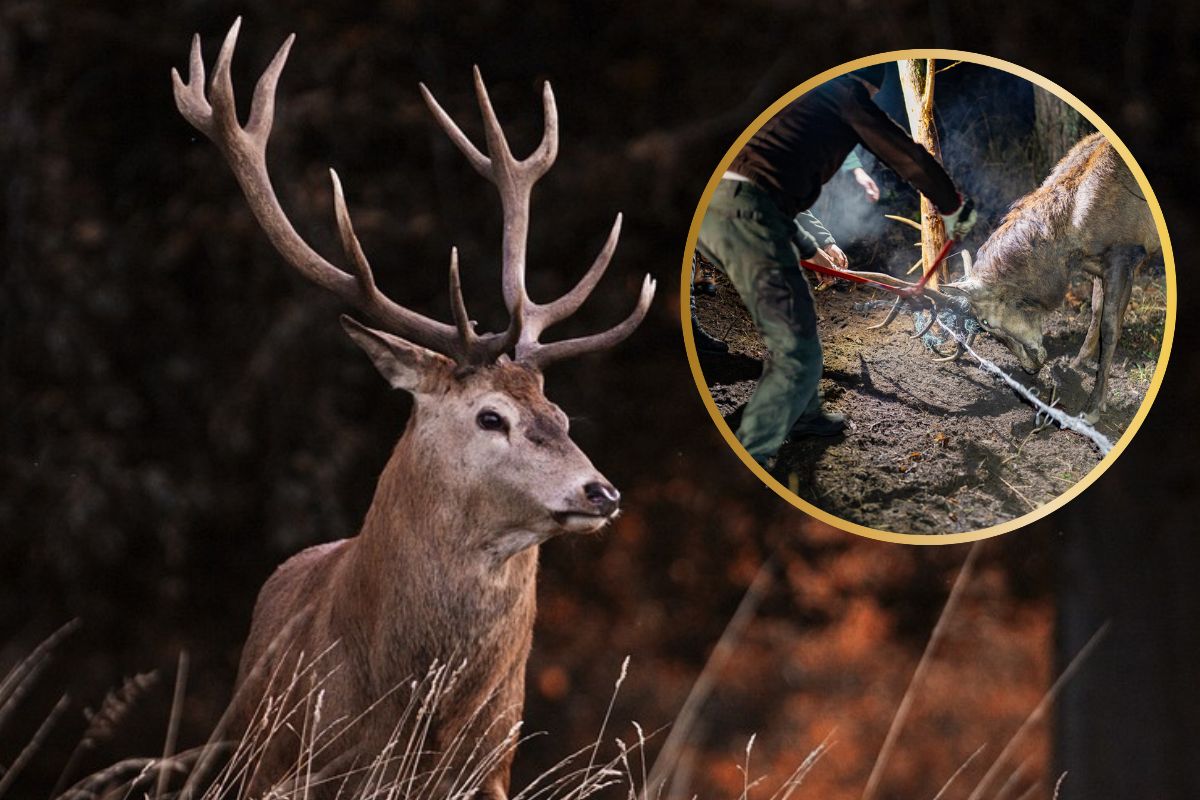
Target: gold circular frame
(930, 538)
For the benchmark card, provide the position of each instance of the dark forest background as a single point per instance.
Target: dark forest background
(178, 413)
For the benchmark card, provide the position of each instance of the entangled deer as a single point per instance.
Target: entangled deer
(1088, 218)
(443, 569)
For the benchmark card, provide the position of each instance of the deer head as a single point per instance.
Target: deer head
(481, 427)
(1005, 311)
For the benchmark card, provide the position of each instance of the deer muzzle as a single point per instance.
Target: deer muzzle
(1031, 358)
(599, 502)
(603, 496)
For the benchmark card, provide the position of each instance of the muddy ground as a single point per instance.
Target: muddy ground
(936, 447)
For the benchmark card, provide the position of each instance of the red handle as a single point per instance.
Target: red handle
(911, 291)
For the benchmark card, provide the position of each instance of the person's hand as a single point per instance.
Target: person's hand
(831, 257)
(836, 256)
(822, 260)
(960, 223)
(869, 187)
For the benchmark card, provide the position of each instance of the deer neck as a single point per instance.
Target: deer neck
(1034, 269)
(425, 535)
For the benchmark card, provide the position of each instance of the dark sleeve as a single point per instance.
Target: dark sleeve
(808, 221)
(880, 134)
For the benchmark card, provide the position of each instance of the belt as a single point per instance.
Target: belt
(784, 203)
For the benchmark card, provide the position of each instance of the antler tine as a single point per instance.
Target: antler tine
(189, 97)
(458, 306)
(245, 151)
(933, 315)
(528, 170)
(481, 163)
(516, 326)
(514, 180)
(892, 280)
(476, 349)
(350, 244)
(539, 316)
(262, 104)
(954, 354)
(497, 143)
(547, 150)
(540, 356)
(224, 107)
(891, 315)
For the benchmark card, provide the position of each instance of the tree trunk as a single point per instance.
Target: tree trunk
(917, 80)
(1128, 723)
(1056, 128)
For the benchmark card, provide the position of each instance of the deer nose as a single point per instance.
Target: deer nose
(603, 496)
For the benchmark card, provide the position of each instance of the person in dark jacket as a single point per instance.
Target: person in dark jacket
(749, 232)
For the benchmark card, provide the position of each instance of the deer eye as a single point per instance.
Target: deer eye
(490, 420)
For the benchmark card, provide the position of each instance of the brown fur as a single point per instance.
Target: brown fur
(443, 569)
(1088, 215)
(432, 577)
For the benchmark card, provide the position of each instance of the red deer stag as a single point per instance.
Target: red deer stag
(1088, 217)
(443, 569)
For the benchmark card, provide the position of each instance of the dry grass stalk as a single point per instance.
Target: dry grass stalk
(961, 769)
(1009, 786)
(35, 743)
(668, 758)
(18, 680)
(172, 738)
(1039, 711)
(918, 677)
(103, 723)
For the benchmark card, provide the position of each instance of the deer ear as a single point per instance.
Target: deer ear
(404, 364)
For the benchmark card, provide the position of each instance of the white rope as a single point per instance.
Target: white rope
(1063, 419)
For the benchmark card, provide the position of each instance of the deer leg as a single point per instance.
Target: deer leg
(1118, 286)
(1091, 342)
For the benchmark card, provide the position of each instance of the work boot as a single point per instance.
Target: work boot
(706, 343)
(704, 282)
(822, 423)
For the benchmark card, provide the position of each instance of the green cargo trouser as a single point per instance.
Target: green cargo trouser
(748, 236)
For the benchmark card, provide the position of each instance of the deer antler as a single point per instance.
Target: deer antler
(936, 299)
(514, 180)
(244, 148)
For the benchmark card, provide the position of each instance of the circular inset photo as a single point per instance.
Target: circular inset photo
(928, 296)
